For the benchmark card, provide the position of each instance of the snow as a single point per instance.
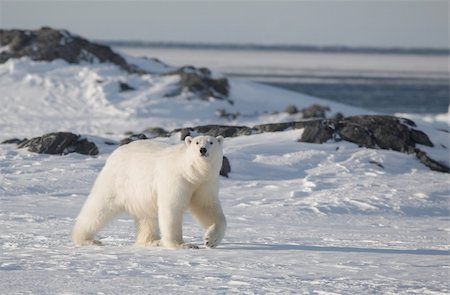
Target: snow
(302, 218)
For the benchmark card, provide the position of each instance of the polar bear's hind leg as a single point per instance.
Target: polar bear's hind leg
(94, 215)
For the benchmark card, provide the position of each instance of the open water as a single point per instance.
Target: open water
(386, 82)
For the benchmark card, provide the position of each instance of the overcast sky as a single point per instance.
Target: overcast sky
(352, 23)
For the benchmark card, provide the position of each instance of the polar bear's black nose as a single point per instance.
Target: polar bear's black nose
(203, 150)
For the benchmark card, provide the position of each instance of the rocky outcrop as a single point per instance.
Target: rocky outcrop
(59, 143)
(384, 132)
(378, 132)
(47, 44)
(313, 111)
(214, 130)
(200, 82)
(14, 141)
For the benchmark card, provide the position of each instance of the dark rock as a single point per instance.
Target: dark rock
(221, 113)
(430, 163)
(201, 83)
(216, 130)
(408, 122)
(385, 132)
(274, 127)
(291, 109)
(85, 147)
(420, 138)
(185, 132)
(226, 167)
(376, 163)
(133, 137)
(277, 127)
(14, 141)
(356, 134)
(156, 132)
(317, 132)
(60, 143)
(125, 87)
(315, 111)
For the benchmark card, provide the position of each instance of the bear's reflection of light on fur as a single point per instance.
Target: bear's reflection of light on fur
(155, 183)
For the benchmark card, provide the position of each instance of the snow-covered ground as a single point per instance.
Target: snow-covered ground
(302, 218)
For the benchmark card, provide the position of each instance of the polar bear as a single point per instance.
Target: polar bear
(155, 183)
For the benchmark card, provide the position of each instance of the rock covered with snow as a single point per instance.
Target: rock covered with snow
(47, 44)
(201, 82)
(370, 131)
(313, 111)
(384, 132)
(215, 130)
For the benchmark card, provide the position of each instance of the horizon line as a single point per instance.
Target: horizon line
(278, 47)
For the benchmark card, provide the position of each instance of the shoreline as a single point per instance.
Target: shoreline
(387, 84)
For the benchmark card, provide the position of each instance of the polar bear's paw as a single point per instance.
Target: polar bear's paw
(188, 246)
(211, 243)
(178, 245)
(89, 243)
(155, 243)
(213, 237)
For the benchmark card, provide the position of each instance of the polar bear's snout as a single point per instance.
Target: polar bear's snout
(203, 152)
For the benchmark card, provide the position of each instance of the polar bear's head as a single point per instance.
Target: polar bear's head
(205, 147)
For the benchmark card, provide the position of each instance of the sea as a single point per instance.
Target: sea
(383, 80)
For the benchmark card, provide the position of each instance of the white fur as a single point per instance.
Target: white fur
(155, 183)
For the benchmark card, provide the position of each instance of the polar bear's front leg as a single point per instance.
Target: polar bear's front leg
(206, 208)
(170, 224)
(171, 206)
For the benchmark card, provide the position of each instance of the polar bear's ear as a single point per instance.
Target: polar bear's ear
(188, 140)
(220, 139)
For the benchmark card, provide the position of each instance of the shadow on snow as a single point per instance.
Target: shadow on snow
(292, 247)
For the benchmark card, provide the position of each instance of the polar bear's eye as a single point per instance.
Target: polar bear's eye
(211, 142)
(196, 143)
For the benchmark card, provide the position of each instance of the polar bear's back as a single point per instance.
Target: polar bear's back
(130, 172)
(144, 150)
(144, 146)
(140, 157)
